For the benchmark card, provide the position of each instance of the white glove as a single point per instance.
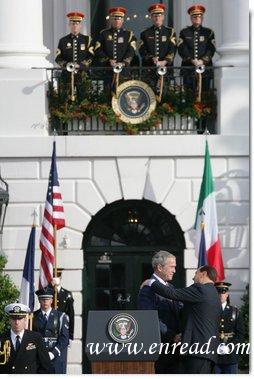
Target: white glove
(51, 356)
(223, 349)
(70, 343)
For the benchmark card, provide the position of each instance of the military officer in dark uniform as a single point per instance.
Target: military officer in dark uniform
(116, 48)
(75, 48)
(115, 45)
(53, 325)
(231, 332)
(196, 46)
(64, 301)
(158, 45)
(22, 351)
(74, 53)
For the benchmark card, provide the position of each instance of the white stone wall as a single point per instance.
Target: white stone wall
(94, 171)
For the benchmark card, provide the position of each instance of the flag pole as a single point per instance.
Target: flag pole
(55, 266)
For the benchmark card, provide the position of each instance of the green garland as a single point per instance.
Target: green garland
(89, 104)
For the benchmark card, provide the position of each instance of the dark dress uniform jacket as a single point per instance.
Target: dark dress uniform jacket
(57, 326)
(31, 358)
(196, 43)
(157, 42)
(65, 304)
(202, 310)
(77, 49)
(119, 45)
(231, 322)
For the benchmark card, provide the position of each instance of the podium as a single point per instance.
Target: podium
(125, 342)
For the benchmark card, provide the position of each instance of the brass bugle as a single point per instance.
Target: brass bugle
(118, 68)
(161, 70)
(5, 352)
(70, 67)
(200, 69)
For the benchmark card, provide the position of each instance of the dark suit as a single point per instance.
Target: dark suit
(168, 313)
(202, 310)
(231, 331)
(31, 358)
(56, 336)
(65, 304)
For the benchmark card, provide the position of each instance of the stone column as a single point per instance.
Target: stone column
(234, 48)
(233, 83)
(21, 36)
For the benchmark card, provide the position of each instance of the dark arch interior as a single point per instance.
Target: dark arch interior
(133, 223)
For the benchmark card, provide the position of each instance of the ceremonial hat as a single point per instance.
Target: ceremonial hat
(45, 293)
(197, 9)
(75, 16)
(222, 287)
(17, 310)
(157, 8)
(117, 12)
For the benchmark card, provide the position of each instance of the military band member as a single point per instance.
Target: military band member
(53, 325)
(158, 43)
(65, 301)
(116, 44)
(231, 331)
(196, 46)
(75, 48)
(22, 351)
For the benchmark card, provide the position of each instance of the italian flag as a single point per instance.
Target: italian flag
(207, 237)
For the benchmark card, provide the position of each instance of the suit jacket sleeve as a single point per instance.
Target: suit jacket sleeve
(183, 49)
(90, 54)
(239, 328)
(63, 338)
(146, 301)
(59, 55)
(210, 48)
(171, 47)
(143, 51)
(44, 363)
(99, 52)
(131, 49)
(192, 294)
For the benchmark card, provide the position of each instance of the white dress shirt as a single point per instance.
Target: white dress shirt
(14, 335)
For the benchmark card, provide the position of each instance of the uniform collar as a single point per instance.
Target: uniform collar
(116, 30)
(224, 305)
(196, 29)
(47, 313)
(157, 27)
(74, 36)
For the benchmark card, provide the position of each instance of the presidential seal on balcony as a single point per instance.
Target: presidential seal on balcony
(134, 102)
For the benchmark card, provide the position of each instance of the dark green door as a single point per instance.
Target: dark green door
(115, 283)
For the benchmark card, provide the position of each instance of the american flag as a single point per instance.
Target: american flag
(53, 217)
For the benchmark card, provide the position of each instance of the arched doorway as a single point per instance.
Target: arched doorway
(118, 245)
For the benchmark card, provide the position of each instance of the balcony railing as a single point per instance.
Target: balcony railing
(84, 107)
